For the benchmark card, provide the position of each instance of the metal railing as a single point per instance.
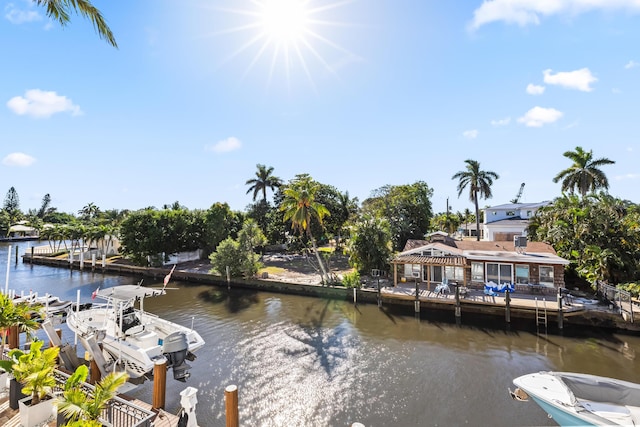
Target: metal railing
(619, 298)
(118, 412)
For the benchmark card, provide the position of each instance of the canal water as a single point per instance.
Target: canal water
(301, 361)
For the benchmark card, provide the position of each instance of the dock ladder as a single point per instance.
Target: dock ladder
(541, 314)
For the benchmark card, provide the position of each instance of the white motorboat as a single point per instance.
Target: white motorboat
(51, 304)
(573, 399)
(132, 338)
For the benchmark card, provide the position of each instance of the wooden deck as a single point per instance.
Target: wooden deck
(517, 299)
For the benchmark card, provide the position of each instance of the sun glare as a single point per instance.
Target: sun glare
(284, 21)
(289, 38)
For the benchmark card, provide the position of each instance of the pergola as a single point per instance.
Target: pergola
(428, 261)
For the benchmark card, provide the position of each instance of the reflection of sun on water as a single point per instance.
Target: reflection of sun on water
(288, 38)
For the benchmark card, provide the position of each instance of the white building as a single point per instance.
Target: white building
(504, 222)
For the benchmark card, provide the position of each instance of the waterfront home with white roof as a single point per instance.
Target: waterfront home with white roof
(504, 222)
(474, 264)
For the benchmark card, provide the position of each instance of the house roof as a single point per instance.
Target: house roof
(19, 228)
(535, 252)
(431, 260)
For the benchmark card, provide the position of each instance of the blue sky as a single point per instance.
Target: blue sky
(371, 93)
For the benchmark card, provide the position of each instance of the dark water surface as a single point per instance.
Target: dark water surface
(301, 361)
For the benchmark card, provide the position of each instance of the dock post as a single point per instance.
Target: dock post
(379, 295)
(104, 261)
(159, 384)
(416, 304)
(17, 249)
(228, 278)
(458, 314)
(93, 262)
(507, 302)
(81, 260)
(560, 314)
(355, 296)
(70, 260)
(14, 337)
(231, 406)
(31, 260)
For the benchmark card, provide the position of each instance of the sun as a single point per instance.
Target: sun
(283, 21)
(288, 39)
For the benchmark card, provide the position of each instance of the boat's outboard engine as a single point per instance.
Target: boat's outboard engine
(175, 348)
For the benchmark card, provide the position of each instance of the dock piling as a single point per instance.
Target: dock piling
(458, 314)
(507, 310)
(560, 314)
(159, 384)
(231, 406)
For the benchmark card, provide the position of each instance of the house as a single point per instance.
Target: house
(504, 222)
(473, 264)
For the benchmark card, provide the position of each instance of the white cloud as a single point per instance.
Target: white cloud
(535, 89)
(42, 104)
(470, 134)
(20, 16)
(578, 79)
(225, 145)
(501, 122)
(631, 64)
(18, 159)
(627, 176)
(526, 12)
(539, 116)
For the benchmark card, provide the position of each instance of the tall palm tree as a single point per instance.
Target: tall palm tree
(479, 183)
(300, 207)
(263, 180)
(58, 10)
(584, 174)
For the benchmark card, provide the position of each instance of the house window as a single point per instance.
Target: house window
(528, 213)
(511, 213)
(436, 273)
(522, 274)
(477, 272)
(499, 273)
(454, 273)
(546, 275)
(415, 270)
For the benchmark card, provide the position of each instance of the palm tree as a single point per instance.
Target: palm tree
(300, 207)
(58, 10)
(584, 174)
(263, 180)
(89, 211)
(479, 183)
(16, 314)
(83, 409)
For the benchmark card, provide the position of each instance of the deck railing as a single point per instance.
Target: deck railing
(619, 298)
(119, 412)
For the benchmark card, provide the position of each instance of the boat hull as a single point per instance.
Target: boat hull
(573, 399)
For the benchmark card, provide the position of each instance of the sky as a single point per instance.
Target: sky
(357, 93)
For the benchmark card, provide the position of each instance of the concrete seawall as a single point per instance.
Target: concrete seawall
(520, 316)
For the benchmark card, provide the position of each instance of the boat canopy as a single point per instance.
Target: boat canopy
(128, 292)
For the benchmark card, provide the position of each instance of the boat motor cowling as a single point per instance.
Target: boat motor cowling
(175, 348)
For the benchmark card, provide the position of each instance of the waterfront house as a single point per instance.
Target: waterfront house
(504, 222)
(527, 265)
